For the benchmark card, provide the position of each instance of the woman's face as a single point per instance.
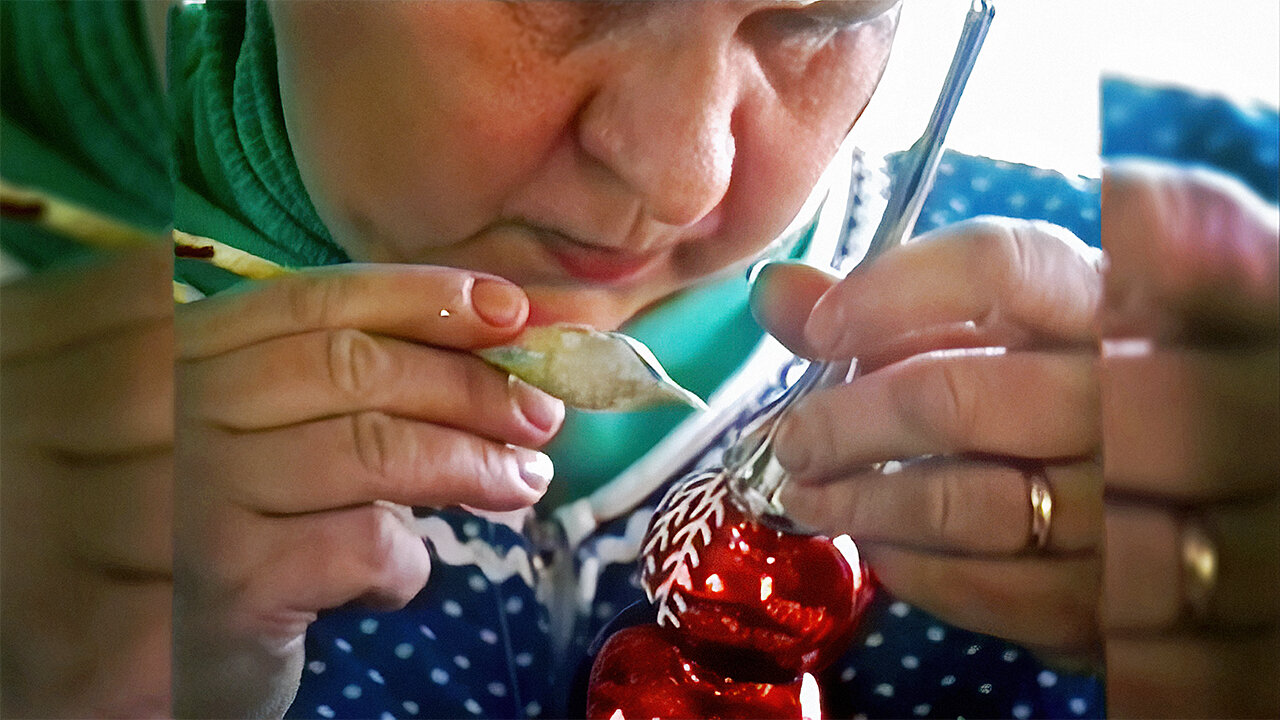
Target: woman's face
(603, 155)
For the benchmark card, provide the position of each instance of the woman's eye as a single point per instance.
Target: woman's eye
(826, 16)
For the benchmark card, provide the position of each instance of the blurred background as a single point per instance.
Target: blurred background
(1033, 97)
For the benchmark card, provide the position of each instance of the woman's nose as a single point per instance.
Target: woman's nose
(662, 122)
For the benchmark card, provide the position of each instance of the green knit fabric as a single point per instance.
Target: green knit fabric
(83, 116)
(236, 179)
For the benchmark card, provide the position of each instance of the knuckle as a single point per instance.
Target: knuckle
(942, 500)
(940, 406)
(311, 303)
(380, 445)
(398, 570)
(356, 363)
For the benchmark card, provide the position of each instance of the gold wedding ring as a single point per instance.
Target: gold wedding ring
(1041, 508)
(1199, 567)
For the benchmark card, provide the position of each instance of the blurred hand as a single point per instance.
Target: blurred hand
(86, 376)
(978, 357)
(1191, 424)
(312, 410)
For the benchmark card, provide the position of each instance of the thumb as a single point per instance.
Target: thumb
(782, 296)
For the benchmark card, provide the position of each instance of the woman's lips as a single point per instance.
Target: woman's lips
(599, 265)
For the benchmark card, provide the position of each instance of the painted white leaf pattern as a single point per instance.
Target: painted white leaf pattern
(680, 528)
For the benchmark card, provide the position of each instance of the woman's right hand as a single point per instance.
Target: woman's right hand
(312, 410)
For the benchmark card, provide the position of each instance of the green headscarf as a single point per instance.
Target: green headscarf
(83, 117)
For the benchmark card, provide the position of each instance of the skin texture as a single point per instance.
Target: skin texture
(680, 137)
(86, 396)
(522, 157)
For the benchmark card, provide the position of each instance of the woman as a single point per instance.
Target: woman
(601, 158)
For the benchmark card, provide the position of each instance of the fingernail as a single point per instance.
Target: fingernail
(536, 468)
(498, 303)
(540, 409)
(790, 448)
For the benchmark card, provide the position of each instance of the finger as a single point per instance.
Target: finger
(1028, 405)
(326, 373)
(437, 305)
(1192, 254)
(1145, 576)
(982, 282)
(782, 296)
(1231, 676)
(368, 456)
(1191, 426)
(72, 304)
(953, 505)
(117, 517)
(367, 553)
(109, 397)
(1038, 602)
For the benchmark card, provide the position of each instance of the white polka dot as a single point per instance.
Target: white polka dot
(376, 676)
(1002, 165)
(1047, 678)
(325, 711)
(1017, 201)
(514, 605)
(1009, 655)
(946, 168)
(410, 707)
(899, 609)
(635, 581)
(875, 639)
(860, 716)
(1053, 203)
(351, 692)
(980, 183)
(604, 610)
(472, 706)
(935, 633)
(439, 676)
(403, 651)
(973, 650)
(910, 662)
(1089, 213)
(471, 529)
(937, 217)
(488, 636)
(342, 645)
(428, 632)
(368, 626)
(543, 625)
(1077, 706)
(948, 680)
(884, 689)
(1022, 711)
(497, 689)
(462, 661)
(386, 716)
(959, 205)
(316, 666)
(985, 688)
(524, 659)
(477, 583)
(922, 709)
(848, 674)
(451, 608)
(533, 709)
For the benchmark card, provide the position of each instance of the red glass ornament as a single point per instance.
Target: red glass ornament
(747, 605)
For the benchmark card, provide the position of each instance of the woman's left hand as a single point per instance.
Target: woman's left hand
(978, 353)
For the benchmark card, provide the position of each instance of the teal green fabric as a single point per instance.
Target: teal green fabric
(84, 117)
(237, 181)
(236, 177)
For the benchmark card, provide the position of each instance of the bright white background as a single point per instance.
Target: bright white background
(1033, 97)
